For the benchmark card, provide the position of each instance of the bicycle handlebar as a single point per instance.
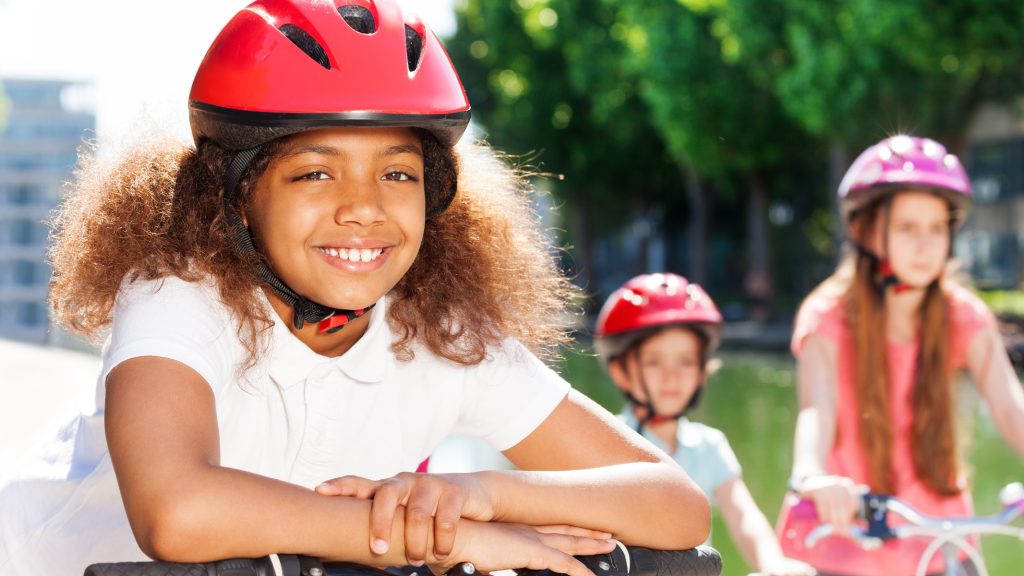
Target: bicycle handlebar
(875, 508)
(624, 561)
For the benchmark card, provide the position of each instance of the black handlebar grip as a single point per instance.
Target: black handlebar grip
(699, 561)
(232, 567)
(637, 561)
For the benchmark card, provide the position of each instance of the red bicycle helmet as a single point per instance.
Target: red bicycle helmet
(280, 67)
(650, 302)
(284, 66)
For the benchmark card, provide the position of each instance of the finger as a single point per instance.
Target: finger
(353, 486)
(559, 563)
(386, 500)
(572, 531)
(419, 521)
(577, 545)
(446, 521)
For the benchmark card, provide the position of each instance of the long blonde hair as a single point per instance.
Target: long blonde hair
(933, 434)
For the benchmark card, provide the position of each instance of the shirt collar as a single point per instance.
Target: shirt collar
(686, 435)
(368, 361)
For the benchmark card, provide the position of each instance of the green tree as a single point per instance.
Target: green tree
(5, 106)
(723, 126)
(548, 83)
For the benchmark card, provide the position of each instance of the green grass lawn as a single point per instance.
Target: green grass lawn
(753, 400)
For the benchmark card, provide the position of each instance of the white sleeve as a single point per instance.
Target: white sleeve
(174, 319)
(508, 395)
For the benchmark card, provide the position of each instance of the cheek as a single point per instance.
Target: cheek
(283, 226)
(411, 216)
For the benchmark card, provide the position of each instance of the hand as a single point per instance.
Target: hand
(434, 504)
(784, 566)
(493, 546)
(836, 499)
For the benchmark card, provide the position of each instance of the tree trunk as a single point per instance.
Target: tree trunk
(642, 231)
(837, 165)
(584, 266)
(698, 226)
(758, 282)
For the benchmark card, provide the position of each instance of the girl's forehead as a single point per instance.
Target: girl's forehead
(919, 205)
(675, 337)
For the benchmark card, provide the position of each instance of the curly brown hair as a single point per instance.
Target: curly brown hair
(160, 211)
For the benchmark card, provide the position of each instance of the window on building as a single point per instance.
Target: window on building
(24, 194)
(22, 232)
(29, 314)
(24, 272)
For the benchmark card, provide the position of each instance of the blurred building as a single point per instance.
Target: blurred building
(992, 243)
(44, 125)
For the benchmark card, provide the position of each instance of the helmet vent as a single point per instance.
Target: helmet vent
(358, 18)
(306, 43)
(413, 47)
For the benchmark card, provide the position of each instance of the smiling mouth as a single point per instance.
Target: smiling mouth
(353, 254)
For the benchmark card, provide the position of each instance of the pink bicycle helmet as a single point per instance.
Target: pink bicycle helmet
(902, 162)
(649, 302)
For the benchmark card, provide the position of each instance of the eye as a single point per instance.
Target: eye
(400, 176)
(314, 175)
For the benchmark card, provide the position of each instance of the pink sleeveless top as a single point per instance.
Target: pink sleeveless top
(825, 316)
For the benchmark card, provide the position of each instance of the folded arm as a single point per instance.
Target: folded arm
(583, 467)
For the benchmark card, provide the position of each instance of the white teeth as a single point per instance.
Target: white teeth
(354, 254)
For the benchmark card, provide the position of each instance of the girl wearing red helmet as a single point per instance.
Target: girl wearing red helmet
(655, 335)
(878, 346)
(314, 297)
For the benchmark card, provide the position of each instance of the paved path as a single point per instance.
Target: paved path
(40, 389)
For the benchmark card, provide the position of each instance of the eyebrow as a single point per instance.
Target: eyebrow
(332, 151)
(309, 148)
(403, 149)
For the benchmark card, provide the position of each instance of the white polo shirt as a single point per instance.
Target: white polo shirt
(296, 416)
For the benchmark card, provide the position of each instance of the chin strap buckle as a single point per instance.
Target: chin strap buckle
(336, 322)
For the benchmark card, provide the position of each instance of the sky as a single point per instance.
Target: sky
(137, 57)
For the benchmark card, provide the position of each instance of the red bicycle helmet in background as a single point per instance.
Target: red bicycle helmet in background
(650, 302)
(644, 305)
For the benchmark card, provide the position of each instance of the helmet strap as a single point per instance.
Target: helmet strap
(885, 277)
(330, 320)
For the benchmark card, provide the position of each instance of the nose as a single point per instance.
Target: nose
(359, 202)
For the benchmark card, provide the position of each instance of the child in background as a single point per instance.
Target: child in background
(655, 336)
(301, 307)
(878, 346)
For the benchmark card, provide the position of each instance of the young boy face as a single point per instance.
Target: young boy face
(670, 366)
